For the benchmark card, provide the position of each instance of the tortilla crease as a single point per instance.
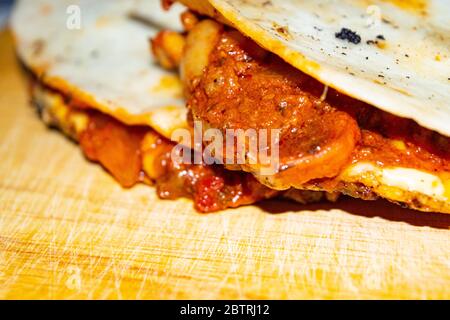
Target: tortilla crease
(105, 61)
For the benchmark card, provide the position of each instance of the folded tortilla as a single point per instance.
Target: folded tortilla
(390, 58)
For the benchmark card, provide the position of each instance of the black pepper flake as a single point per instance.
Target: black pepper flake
(380, 37)
(407, 55)
(349, 35)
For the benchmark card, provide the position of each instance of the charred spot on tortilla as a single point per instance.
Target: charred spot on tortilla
(379, 42)
(349, 35)
(283, 31)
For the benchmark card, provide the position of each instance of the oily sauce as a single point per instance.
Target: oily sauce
(118, 148)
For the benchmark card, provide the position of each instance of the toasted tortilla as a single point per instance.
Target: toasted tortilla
(106, 63)
(401, 63)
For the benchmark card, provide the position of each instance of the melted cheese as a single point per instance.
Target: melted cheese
(403, 184)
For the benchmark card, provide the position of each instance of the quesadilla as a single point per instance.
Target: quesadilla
(361, 100)
(100, 85)
(345, 129)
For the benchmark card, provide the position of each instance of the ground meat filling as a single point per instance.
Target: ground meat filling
(244, 87)
(212, 187)
(116, 146)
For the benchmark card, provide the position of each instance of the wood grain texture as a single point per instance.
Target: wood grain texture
(67, 230)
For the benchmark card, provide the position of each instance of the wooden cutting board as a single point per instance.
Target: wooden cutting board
(67, 230)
